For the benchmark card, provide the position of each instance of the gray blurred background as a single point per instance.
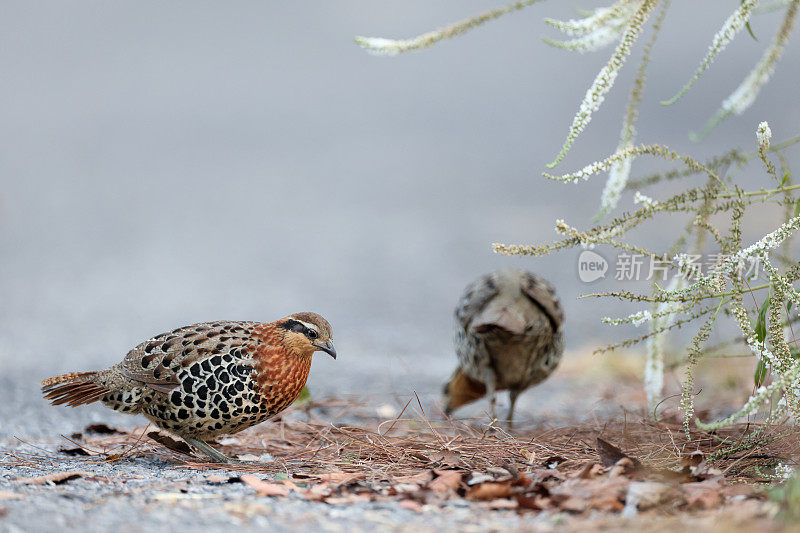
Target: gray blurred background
(165, 163)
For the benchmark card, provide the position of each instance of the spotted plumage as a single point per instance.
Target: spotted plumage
(508, 336)
(207, 379)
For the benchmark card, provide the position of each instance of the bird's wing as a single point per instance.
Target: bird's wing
(475, 297)
(543, 296)
(156, 362)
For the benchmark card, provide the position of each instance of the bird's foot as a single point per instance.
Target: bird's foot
(216, 456)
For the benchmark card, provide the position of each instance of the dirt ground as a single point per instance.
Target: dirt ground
(396, 463)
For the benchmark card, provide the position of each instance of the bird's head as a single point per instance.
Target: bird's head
(306, 333)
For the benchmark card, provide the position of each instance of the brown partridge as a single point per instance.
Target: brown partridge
(508, 336)
(207, 379)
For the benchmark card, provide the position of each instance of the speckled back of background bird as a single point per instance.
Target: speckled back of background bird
(509, 335)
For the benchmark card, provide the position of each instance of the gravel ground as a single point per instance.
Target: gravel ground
(150, 494)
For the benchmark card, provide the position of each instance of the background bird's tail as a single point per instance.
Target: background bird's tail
(460, 390)
(73, 389)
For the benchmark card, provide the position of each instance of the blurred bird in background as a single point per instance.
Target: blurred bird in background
(509, 335)
(208, 379)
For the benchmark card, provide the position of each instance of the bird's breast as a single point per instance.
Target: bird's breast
(279, 374)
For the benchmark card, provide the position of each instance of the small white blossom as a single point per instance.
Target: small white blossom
(602, 17)
(641, 317)
(722, 38)
(745, 94)
(763, 134)
(605, 79)
(639, 198)
(784, 471)
(391, 47)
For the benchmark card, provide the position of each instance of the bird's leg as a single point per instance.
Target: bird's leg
(204, 447)
(490, 392)
(490, 381)
(512, 395)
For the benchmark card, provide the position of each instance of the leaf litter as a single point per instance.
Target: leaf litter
(612, 467)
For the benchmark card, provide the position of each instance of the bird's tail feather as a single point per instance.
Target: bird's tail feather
(73, 389)
(461, 390)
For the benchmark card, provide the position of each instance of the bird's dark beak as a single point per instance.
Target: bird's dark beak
(327, 348)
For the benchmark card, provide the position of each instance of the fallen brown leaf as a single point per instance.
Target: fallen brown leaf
(348, 499)
(73, 452)
(691, 458)
(445, 458)
(419, 479)
(489, 490)
(501, 503)
(56, 478)
(648, 494)
(703, 494)
(573, 504)
(623, 467)
(606, 502)
(446, 481)
(590, 470)
(610, 454)
(264, 488)
(170, 443)
(317, 493)
(102, 429)
(553, 461)
(411, 505)
(532, 503)
(341, 478)
(479, 477)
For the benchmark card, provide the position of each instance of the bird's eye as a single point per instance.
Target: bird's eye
(311, 334)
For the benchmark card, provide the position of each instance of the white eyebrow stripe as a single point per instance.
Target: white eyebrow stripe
(309, 326)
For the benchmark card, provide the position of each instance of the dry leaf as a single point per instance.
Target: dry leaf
(73, 452)
(691, 459)
(590, 470)
(4, 495)
(489, 491)
(573, 504)
(479, 477)
(703, 494)
(534, 503)
(448, 480)
(102, 429)
(411, 505)
(264, 488)
(624, 466)
(420, 479)
(610, 454)
(553, 461)
(647, 494)
(170, 443)
(501, 503)
(445, 458)
(606, 502)
(341, 478)
(56, 478)
(348, 499)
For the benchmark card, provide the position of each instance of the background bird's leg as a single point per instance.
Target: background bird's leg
(208, 450)
(490, 392)
(513, 395)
